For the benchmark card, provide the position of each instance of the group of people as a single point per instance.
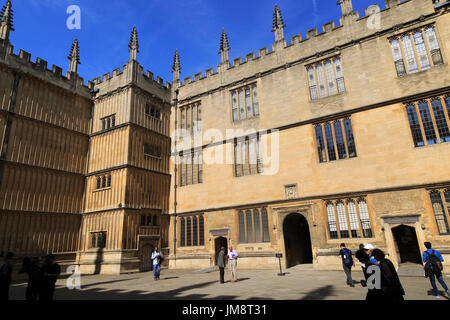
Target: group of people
(388, 286)
(227, 258)
(41, 277)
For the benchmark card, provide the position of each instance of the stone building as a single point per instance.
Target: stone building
(340, 136)
(84, 170)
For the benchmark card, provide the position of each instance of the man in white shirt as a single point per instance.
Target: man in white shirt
(157, 258)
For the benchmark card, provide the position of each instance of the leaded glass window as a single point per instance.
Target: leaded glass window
(249, 226)
(320, 144)
(245, 100)
(353, 218)
(414, 44)
(440, 120)
(346, 210)
(330, 142)
(340, 143)
(439, 211)
(409, 53)
(427, 123)
(257, 225)
(241, 227)
(332, 227)
(265, 225)
(414, 125)
(364, 218)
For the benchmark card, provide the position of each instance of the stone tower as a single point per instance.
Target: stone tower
(128, 172)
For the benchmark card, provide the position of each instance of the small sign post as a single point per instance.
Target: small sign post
(279, 256)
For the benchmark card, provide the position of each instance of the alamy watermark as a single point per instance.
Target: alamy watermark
(74, 19)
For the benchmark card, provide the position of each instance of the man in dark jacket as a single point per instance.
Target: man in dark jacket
(390, 282)
(51, 271)
(221, 263)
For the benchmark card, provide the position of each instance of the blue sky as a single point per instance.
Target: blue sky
(191, 26)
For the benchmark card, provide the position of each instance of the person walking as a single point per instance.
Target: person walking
(221, 263)
(51, 271)
(369, 248)
(390, 282)
(157, 258)
(373, 293)
(35, 277)
(433, 268)
(6, 276)
(232, 257)
(347, 263)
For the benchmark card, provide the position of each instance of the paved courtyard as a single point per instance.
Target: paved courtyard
(300, 282)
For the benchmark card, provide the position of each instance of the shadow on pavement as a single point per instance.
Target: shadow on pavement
(63, 293)
(319, 294)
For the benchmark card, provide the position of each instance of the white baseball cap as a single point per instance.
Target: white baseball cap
(369, 247)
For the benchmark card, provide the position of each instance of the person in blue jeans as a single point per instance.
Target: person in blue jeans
(435, 273)
(156, 257)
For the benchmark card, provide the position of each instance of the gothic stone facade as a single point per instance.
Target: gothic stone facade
(355, 113)
(84, 169)
(349, 144)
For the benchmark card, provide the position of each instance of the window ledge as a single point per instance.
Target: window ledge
(102, 189)
(421, 71)
(149, 115)
(338, 161)
(246, 119)
(151, 156)
(431, 145)
(340, 94)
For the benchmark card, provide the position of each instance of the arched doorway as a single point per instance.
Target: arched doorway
(218, 243)
(407, 245)
(297, 240)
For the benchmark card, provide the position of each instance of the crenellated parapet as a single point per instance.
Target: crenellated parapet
(329, 38)
(22, 63)
(132, 73)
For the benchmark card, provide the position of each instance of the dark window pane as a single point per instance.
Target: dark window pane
(93, 240)
(330, 143)
(350, 139)
(104, 182)
(108, 123)
(241, 227)
(149, 220)
(320, 144)
(142, 220)
(257, 225)
(447, 103)
(415, 126)
(99, 182)
(194, 231)
(441, 123)
(103, 124)
(400, 67)
(439, 213)
(249, 225)
(109, 181)
(113, 121)
(183, 233)
(265, 225)
(340, 140)
(344, 234)
(189, 231)
(155, 220)
(427, 123)
(201, 231)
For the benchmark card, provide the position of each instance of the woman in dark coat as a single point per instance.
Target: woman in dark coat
(390, 282)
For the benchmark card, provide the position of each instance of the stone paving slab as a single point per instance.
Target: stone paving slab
(298, 284)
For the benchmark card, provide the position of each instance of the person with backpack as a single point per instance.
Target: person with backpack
(347, 263)
(433, 268)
